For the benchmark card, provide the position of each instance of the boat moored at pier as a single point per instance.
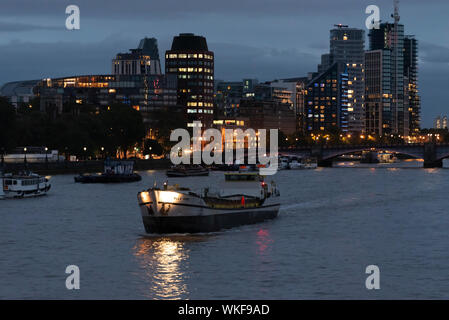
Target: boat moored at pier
(243, 198)
(115, 171)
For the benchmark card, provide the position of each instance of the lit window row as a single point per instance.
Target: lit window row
(199, 104)
(207, 70)
(200, 111)
(188, 56)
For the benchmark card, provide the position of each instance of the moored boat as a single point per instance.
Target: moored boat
(187, 171)
(115, 171)
(386, 157)
(283, 163)
(244, 198)
(23, 185)
(295, 164)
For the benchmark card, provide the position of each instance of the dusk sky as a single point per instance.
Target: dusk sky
(264, 39)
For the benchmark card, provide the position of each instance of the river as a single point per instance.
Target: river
(333, 223)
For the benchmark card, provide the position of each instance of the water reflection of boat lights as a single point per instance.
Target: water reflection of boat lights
(263, 239)
(162, 260)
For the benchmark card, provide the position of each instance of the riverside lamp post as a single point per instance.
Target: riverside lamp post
(46, 157)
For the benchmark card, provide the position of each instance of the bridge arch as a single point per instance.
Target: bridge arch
(332, 154)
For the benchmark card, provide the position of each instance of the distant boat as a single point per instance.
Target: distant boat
(309, 163)
(187, 171)
(295, 164)
(115, 171)
(243, 198)
(23, 185)
(283, 163)
(386, 157)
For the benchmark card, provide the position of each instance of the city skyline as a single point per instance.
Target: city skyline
(241, 52)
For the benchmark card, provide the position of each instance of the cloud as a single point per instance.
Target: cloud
(232, 61)
(20, 27)
(434, 53)
(176, 8)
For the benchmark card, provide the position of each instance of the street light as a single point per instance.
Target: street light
(85, 153)
(46, 157)
(25, 157)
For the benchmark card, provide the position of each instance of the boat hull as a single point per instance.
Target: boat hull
(176, 174)
(25, 194)
(175, 212)
(207, 223)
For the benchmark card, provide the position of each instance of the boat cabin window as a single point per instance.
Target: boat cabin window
(10, 182)
(241, 177)
(30, 182)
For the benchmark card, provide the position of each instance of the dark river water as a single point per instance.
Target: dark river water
(333, 223)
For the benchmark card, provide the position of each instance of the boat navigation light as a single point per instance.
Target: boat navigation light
(145, 197)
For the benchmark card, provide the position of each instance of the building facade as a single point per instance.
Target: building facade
(190, 60)
(411, 82)
(387, 50)
(146, 94)
(347, 45)
(144, 60)
(327, 104)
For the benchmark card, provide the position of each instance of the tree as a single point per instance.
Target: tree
(123, 127)
(166, 121)
(152, 147)
(7, 125)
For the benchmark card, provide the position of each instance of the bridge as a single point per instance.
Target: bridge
(432, 153)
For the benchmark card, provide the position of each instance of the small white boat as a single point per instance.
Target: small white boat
(283, 163)
(295, 164)
(23, 185)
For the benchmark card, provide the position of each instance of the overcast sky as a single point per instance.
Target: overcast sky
(264, 39)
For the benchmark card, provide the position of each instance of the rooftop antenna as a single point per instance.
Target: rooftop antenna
(396, 15)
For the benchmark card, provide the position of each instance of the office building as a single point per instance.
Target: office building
(190, 60)
(144, 60)
(411, 82)
(327, 105)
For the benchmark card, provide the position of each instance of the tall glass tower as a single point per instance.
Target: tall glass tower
(347, 45)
